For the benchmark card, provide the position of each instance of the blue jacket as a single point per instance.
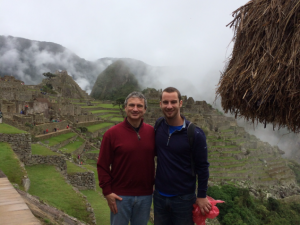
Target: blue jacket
(174, 171)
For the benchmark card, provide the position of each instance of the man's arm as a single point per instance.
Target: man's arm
(201, 169)
(104, 172)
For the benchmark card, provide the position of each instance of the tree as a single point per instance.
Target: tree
(83, 129)
(120, 103)
(49, 75)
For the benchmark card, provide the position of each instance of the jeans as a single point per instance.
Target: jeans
(175, 210)
(135, 209)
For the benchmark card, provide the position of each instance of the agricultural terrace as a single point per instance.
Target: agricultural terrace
(37, 149)
(99, 126)
(7, 129)
(105, 111)
(58, 139)
(72, 168)
(71, 147)
(45, 177)
(10, 165)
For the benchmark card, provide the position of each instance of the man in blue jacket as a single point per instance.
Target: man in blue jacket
(175, 183)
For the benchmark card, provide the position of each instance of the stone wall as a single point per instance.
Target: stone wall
(83, 181)
(55, 160)
(39, 129)
(20, 144)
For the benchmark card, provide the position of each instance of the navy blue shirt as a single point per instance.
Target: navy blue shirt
(174, 170)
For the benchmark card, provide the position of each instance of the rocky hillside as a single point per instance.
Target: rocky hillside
(114, 82)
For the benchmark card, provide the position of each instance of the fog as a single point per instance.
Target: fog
(185, 43)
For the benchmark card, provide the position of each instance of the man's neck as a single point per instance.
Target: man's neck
(134, 123)
(177, 121)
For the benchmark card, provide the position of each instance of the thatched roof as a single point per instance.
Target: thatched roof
(261, 81)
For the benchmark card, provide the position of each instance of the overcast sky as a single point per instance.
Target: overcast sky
(160, 33)
(179, 33)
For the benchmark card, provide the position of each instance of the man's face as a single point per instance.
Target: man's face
(170, 104)
(135, 108)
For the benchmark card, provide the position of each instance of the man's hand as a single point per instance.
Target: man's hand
(204, 205)
(111, 200)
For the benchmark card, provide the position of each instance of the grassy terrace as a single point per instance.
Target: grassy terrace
(228, 166)
(117, 119)
(53, 184)
(7, 129)
(78, 103)
(231, 152)
(58, 139)
(225, 146)
(107, 115)
(71, 147)
(41, 150)
(10, 165)
(72, 168)
(99, 204)
(104, 111)
(99, 126)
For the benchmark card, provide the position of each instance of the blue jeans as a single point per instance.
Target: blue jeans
(135, 209)
(175, 210)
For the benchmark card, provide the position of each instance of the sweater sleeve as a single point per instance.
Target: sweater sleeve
(103, 164)
(201, 162)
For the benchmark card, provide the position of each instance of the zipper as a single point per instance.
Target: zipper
(138, 135)
(169, 139)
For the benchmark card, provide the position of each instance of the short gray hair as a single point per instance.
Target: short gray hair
(136, 94)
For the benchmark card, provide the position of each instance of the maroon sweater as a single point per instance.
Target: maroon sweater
(131, 156)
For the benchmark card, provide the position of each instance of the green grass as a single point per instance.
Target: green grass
(10, 165)
(107, 115)
(103, 111)
(91, 162)
(50, 186)
(71, 147)
(37, 149)
(72, 168)
(7, 129)
(99, 126)
(117, 119)
(58, 139)
(78, 103)
(99, 204)
(109, 106)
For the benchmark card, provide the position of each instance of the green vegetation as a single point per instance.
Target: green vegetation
(107, 115)
(109, 106)
(241, 208)
(104, 111)
(10, 165)
(46, 183)
(117, 119)
(71, 147)
(37, 149)
(99, 126)
(72, 168)
(115, 82)
(99, 204)
(296, 168)
(58, 139)
(7, 129)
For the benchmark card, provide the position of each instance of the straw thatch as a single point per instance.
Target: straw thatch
(261, 81)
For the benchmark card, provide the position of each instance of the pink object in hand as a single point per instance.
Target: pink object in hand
(199, 219)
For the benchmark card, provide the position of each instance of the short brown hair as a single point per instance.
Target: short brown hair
(170, 90)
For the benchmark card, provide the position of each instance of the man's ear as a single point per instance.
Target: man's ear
(180, 103)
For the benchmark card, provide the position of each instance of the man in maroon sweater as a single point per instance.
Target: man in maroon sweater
(126, 165)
